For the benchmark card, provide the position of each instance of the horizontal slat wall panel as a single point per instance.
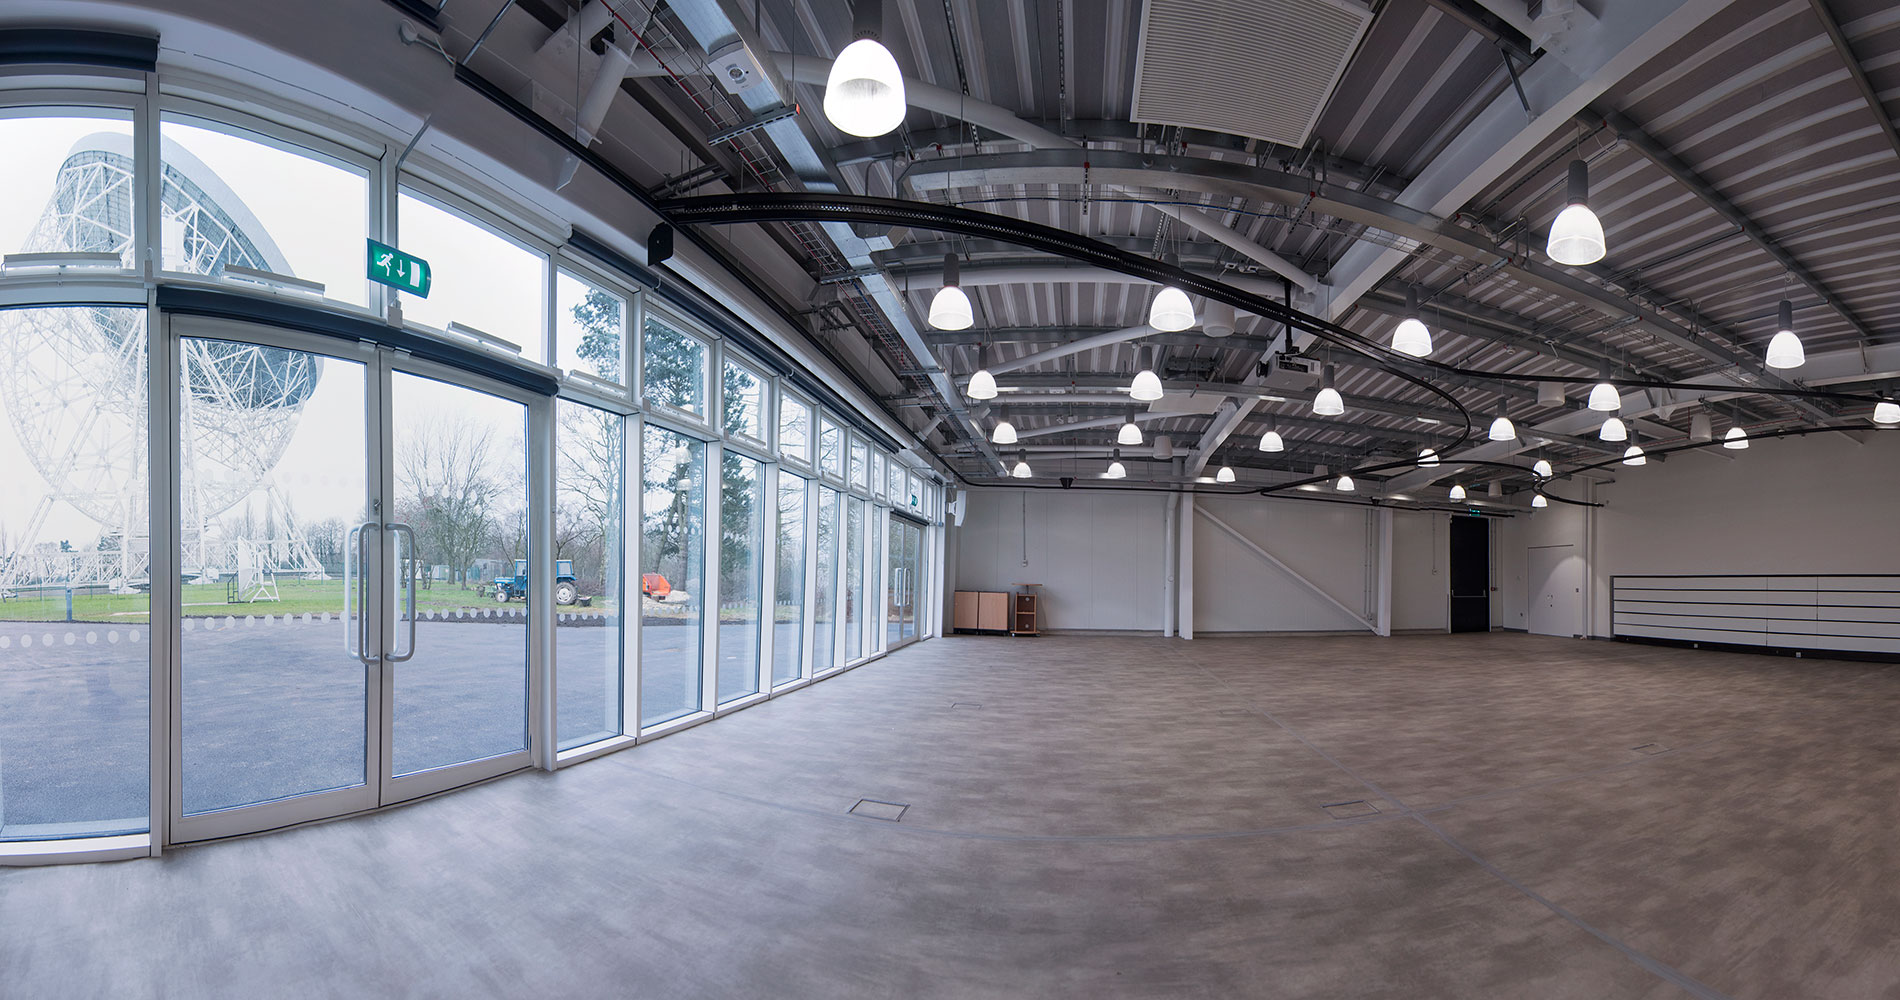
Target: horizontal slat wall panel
(1823, 613)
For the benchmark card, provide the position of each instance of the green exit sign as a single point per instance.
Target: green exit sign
(396, 269)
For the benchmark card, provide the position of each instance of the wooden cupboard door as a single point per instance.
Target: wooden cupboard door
(993, 612)
(964, 614)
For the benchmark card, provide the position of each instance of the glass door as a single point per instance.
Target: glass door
(351, 533)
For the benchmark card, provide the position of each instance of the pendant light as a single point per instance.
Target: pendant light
(1614, 430)
(1344, 485)
(950, 310)
(1494, 489)
(1784, 351)
(1603, 395)
(1171, 312)
(1457, 492)
(1225, 475)
(1270, 441)
(1701, 431)
(1539, 501)
(1501, 427)
(1887, 412)
(1115, 469)
(1542, 469)
(1021, 471)
(1736, 439)
(1576, 236)
(1412, 337)
(1428, 459)
(864, 95)
(1005, 433)
(1130, 434)
(1146, 386)
(1633, 455)
(1327, 403)
(982, 384)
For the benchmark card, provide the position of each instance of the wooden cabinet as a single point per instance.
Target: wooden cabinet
(992, 612)
(964, 613)
(1023, 620)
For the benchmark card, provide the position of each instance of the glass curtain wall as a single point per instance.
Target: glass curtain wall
(587, 527)
(788, 613)
(741, 547)
(824, 609)
(672, 566)
(854, 539)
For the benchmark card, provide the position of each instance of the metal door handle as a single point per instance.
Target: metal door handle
(355, 598)
(404, 529)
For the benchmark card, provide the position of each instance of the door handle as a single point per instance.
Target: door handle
(354, 598)
(404, 529)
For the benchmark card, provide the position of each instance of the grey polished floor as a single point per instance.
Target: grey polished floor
(1512, 816)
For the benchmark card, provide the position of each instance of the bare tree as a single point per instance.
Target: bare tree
(587, 489)
(450, 487)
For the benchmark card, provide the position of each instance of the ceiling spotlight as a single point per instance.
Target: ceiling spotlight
(1501, 428)
(1115, 469)
(1344, 485)
(1539, 501)
(1428, 459)
(1005, 433)
(1576, 237)
(1327, 403)
(1541, 468)
(1412, 337)
(1614, 430)
(1784, 351)
(1887, 412)
(950, 310)
(1736, 439)
(1021, 471)
(1270, 441)
(1225, 475)
(1129, 434)
(1457, 492)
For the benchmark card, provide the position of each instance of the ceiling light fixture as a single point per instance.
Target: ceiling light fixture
(1784, 351)
(950, 310)
(1412, 337)
(1541, 468)
(1700, 430)
(1344, 485)
(1614, 430)
(1005, 433)
(1146, 386)
(1170, 312)
(1539, 501)
(1633, 455)
(1457, 492)
(864, 95)
(1501, 428)
(1130, 433)
(1576, 236)
(1887, 412)
(1327, 403)
(982, 384)
(1428, 459)
(1736, 439)
(1022, 465)
(1270, 441)
(1115, 469)
(1225, 475)
(1603, 395)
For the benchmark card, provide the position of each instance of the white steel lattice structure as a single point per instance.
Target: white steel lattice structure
(74, 385)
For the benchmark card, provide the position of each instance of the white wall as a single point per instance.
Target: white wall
(1100, 557)
(1097, 554)
(1820, 504)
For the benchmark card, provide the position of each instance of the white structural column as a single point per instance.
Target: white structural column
(1170, 592)
(1582, 66)
(1184, 573)
(1382, 616)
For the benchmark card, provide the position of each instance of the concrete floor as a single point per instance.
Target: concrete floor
(1091, 817)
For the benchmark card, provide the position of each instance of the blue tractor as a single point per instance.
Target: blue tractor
(509, 588)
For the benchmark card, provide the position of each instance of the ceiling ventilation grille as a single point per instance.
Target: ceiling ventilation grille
(1258, 68)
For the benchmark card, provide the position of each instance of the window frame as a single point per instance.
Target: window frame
(433, 194)
(804, 461)
(623, 392)
(704, 423)
(768, 411)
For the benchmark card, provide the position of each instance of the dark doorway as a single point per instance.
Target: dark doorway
(1470, 564)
